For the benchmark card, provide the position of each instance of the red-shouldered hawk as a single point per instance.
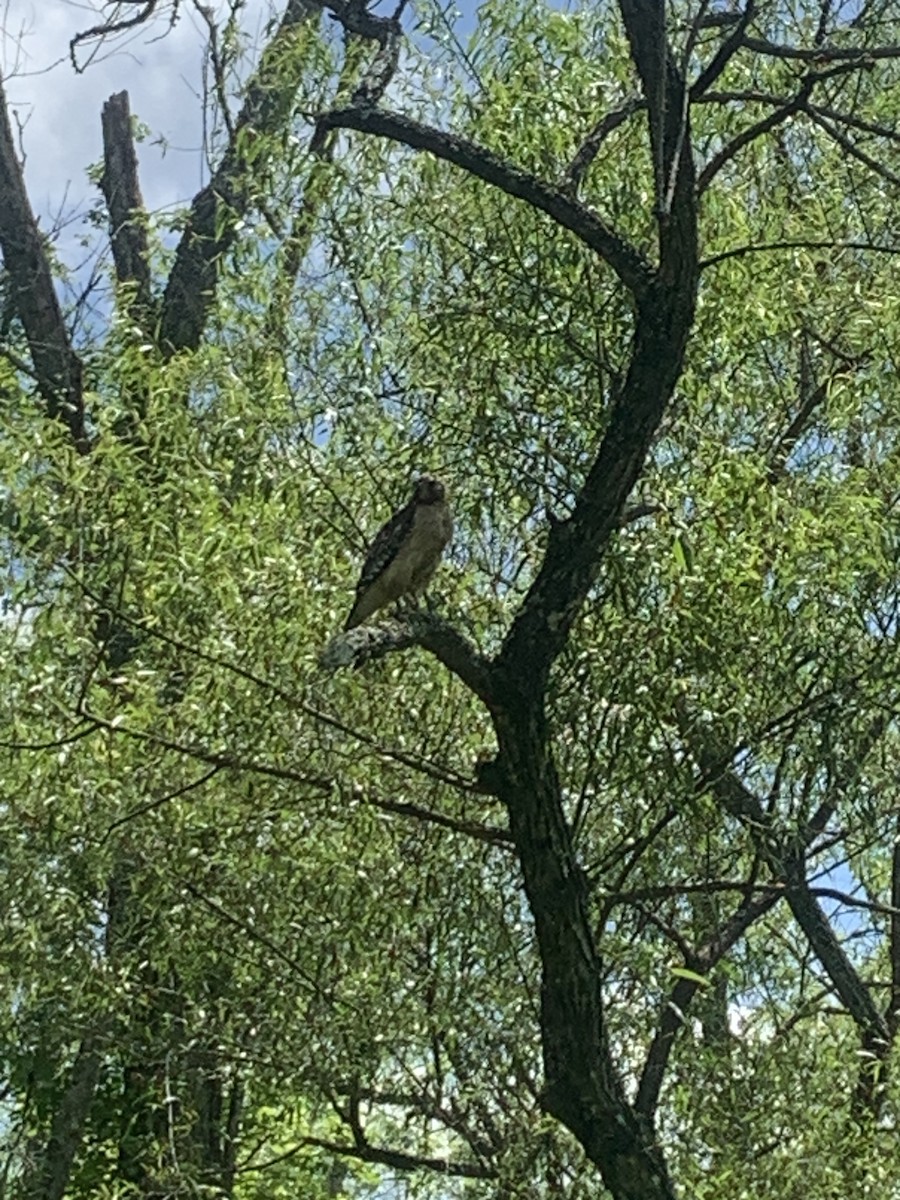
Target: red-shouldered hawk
(406, 551)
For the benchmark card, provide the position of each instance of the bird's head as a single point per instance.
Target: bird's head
(429, 491)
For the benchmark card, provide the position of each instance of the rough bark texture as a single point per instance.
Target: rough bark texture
(582, 1086)
(124, 203)
(57, 368)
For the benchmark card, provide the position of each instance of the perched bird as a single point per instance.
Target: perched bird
(406, 551)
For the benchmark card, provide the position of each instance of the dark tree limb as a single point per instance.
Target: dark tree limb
(582, 1086)
(684, 991)
(850, 147)
(819, 54)
(787, 441)
(125, 205)
(795, 105)
(397, 1160)
(108, 28)
(57, 367)
(794, 244)
(590, 147)
(628, 263)
(789, 866)
(489, 834)
(892, 1015)
(212, 222)
(50, 1179)
(220, 759)
(368, 642)
(645, 27)
(724, 54)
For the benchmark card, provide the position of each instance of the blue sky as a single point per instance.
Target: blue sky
(160, 67)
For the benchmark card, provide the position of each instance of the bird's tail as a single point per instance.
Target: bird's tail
(353, 620)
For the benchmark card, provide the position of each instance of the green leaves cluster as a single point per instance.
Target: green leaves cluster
(240, 881)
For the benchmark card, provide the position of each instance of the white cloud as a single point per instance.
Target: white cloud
(160, 66)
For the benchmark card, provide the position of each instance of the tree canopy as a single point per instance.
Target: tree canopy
(582, 879)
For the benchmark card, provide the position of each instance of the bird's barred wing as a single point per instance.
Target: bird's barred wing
(385, 545)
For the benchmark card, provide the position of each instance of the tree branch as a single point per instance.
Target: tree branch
(724, 54)
(481, 833)
(50, 1177)
(684, 991)
(757, 130)
(892, 1015)
(819, 54)
(629, 264)
(590, 147)
(794, 244)
(852, 149)
(121, 190)
(57, 367)
(399, 1161)
(788, 865)
(212, 222)
(128, 231)
(110, 27)
(370, 642)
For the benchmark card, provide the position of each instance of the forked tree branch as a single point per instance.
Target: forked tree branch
(369, 642)
(685, 989)
(795, 105)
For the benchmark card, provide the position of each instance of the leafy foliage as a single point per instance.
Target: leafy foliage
(278, 912)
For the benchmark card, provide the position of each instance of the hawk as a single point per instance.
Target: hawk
(406, 551)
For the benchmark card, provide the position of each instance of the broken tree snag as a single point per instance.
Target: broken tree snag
(57, 368)
(124, 203)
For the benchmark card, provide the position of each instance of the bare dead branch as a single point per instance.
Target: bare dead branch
(125, 204)
(57, 367)
(291, 700)
(157, 802)
(111, 27)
